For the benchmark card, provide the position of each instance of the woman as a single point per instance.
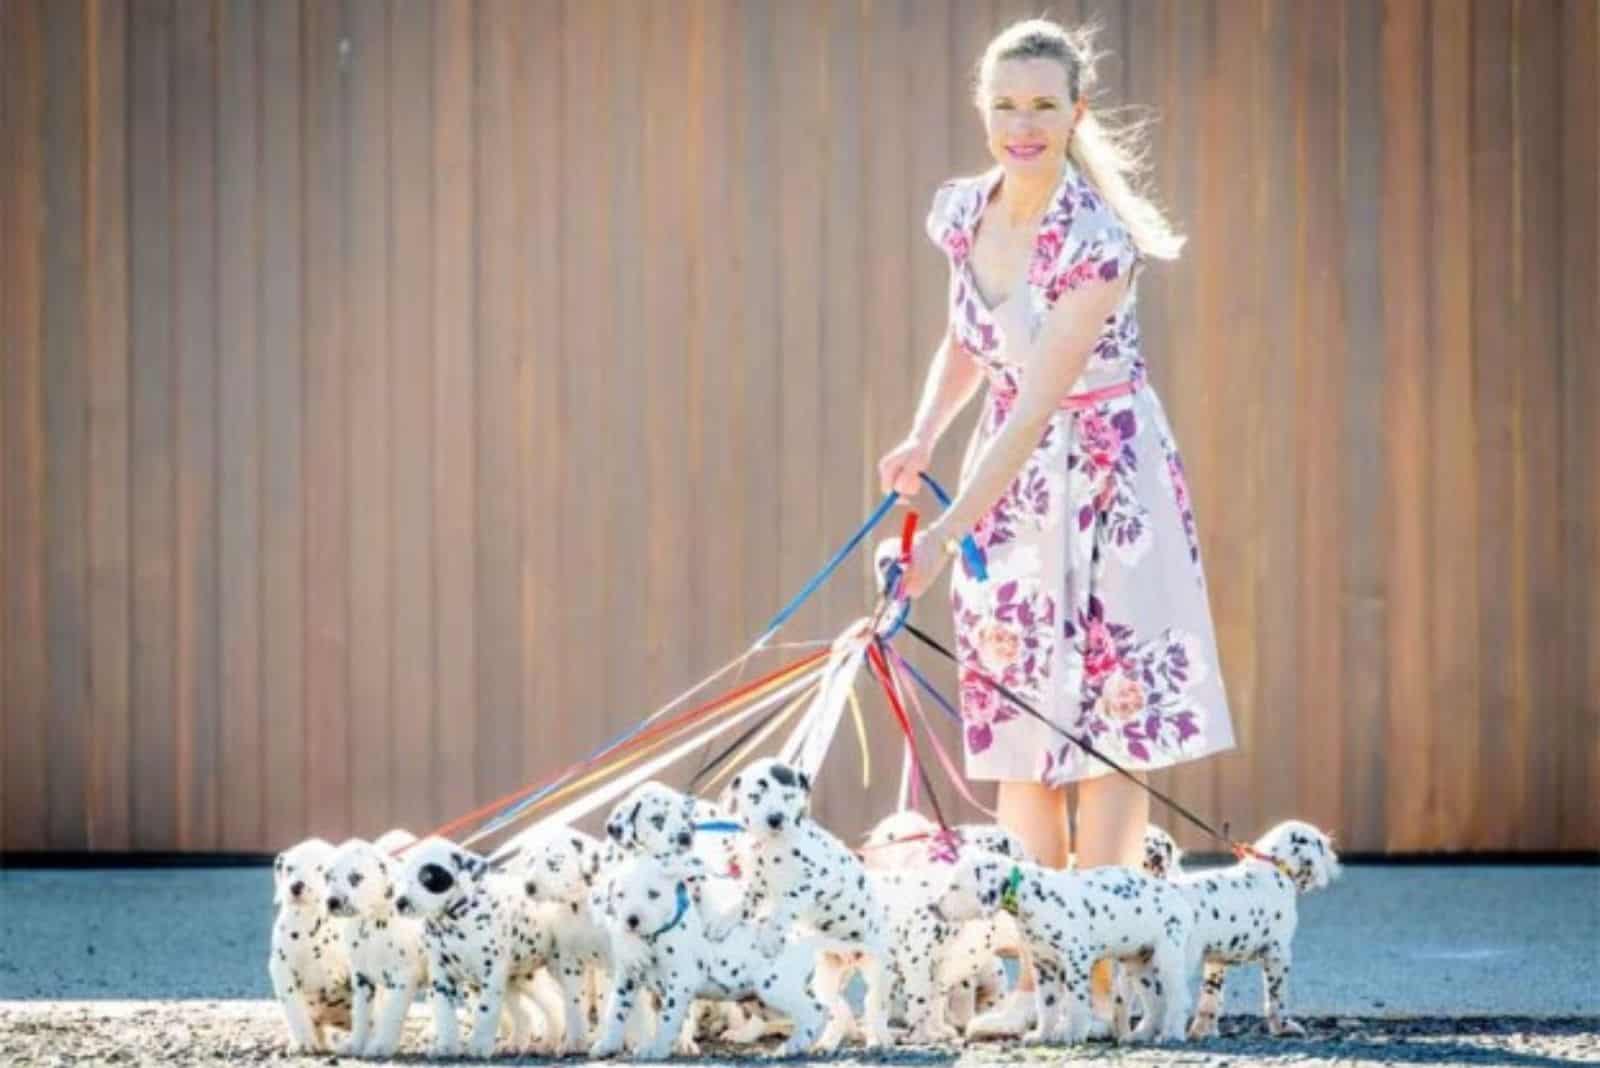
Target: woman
(1095, 608)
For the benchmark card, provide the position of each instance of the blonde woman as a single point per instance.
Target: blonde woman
(1094, 609)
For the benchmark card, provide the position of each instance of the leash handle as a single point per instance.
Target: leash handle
(977, 565)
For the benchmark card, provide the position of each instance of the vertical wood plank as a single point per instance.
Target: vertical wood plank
(1448, 668)
(1323, 527)
(239, 222)
(282, 427)
(367, 354)
(1361, 473)
(65, 411)
(195, 326)
(673, 619)
(27, 665)
(497, 358)
(411, 456)
(454, 487)
(106, 179)
(328, 785)
(1503, 713)
(1538, 122)
(1408, 739)
(153, 372)
(543, 421)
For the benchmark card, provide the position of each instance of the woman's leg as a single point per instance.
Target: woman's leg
(1037, 814)
(1111, 818)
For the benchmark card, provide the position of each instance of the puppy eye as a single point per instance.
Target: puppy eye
(654, 894)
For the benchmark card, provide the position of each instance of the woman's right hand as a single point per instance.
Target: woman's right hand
(902, 466)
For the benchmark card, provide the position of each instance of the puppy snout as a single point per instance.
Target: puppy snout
(633, 922)
(297, 888)
(335, 903)
(775, 820)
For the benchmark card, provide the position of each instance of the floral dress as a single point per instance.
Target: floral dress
(1094, 610)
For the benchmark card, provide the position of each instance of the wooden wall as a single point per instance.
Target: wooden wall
(401, 397)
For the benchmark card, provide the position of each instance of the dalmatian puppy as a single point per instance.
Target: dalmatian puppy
(309, 967)
(559, 867)
(482, 937)
(1161, 853)
(1246, 913)
(801, 874)
(968, 967)
(659, 944)
(387, 962)
(1073, 919)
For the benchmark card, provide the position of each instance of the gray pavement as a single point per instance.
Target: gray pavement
(1421, 941)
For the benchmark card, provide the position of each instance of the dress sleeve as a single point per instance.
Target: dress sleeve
(1090, 245)
(942, 226)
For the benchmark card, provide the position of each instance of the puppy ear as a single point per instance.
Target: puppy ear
(471, 866)
(805, 781)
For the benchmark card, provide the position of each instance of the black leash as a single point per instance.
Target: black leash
(1221, 836)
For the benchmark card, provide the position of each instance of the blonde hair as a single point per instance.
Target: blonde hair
(1112, 156)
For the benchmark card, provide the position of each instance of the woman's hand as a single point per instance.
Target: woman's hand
(902, 466)
(928, 559)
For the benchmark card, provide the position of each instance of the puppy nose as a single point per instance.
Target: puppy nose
(633, 923)
(615, 831)
(297, 888)
(402, 904)
(775, 820)
(685, 839)
(334, 904)
(528, 888)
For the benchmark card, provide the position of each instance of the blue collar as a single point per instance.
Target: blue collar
(677, 917)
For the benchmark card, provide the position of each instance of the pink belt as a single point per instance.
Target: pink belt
(1074, 402)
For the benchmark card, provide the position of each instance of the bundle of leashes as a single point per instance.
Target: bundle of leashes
(824, 677)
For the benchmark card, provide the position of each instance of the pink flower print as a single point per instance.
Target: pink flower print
(1122, 698)
(999, 647)
(957, 244)
(980, 711)
(1045, 254)
(1102, 443)
(1071, 279)
(1100, 657)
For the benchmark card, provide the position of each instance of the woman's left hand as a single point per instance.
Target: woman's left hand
(928, 559)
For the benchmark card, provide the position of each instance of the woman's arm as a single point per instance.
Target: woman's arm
(953, 377)
(1050, 367)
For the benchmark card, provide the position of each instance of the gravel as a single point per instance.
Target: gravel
(251, 1032)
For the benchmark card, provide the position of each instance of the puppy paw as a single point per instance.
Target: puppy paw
(1202, 1027)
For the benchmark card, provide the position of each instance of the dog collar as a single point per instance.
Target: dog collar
(1008, 893)
(677, 917)
(1251, 852)
(720, 826)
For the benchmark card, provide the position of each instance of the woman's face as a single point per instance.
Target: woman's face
(1028, 114)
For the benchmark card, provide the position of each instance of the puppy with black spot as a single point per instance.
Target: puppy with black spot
(309, 967)
(484, 941)
(559, 867)
(659, 945)
(968, 968)
(387, 962)
(802, 875)
(1247, 913)
(1073, 919)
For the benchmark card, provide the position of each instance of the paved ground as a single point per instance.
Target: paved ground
(1428, 965)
